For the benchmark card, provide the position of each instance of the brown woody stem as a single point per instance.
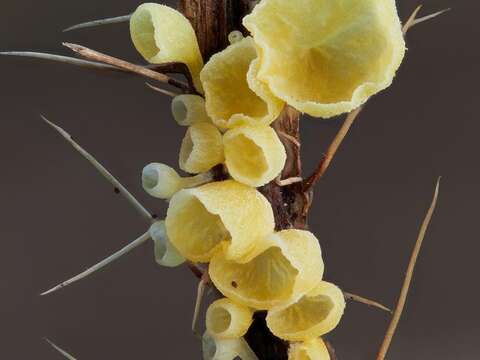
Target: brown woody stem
(127, 66)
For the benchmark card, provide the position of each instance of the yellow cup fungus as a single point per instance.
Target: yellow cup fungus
(230, 94)
(314, 315)
(254, 155)
(288, 265)
(165, 253)
(202, 148)
(189, 109)
(218, 216)
(226, 349)
(228, 320)
(161, 181)
(324, 57)
(314, 349)
(162, 34)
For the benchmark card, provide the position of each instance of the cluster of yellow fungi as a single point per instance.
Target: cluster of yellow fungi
(323, 58)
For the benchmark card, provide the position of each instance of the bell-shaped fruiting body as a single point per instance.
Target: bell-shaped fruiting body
(189, 109)
(314, 349)
(202, 148)
(289, 265)
(254, 155)
(314, 315)
(226, 349)
(232, 98)
(165, 253)
(218, 216)
(161, 181)
(325, 58)
(162, 34)
(228, 320)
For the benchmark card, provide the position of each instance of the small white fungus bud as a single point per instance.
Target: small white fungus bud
(162, 181)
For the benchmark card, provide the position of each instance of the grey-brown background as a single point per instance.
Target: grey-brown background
(59, 216)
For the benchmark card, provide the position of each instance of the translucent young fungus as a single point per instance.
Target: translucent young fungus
(289, 266)
(228, 320)
(315, 314)
(189, 109)
(162, 34)
(202, 148)
(226, 349)
(230, 101)
(161, 181)
(254, 155)
(204, 220)
(326, 57)
(165, 253)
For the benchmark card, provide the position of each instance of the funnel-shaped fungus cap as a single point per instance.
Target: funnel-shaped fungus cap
(227, 214)
(226, 349)
(289, 265)
(189, 109)
(314, 315)
(314, 349)
(162, 34)
(165, 253)
(228, 320)
(202, 148)
(230, 96)
(254, 155)
(324, 57)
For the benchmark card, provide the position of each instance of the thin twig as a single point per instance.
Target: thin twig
(413, 20)
(408, 278)
(102, 170)
(142, 239)
(289, 181)
(63, 59)
(331, 350)
(122, 64)
(161, 91)
(198, 301)
(113, 20)
(60, 350)
(332, 150)
(327, 158)
(362, 300)
(195, 269)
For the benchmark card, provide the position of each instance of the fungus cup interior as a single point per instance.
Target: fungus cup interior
(246, 157)
(264, 281)
(200, 231)
(315, 314)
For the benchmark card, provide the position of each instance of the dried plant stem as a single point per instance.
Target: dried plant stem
(413, 20)
(288, 181)
(142, 239)
(362, 300)
(103, 171)
(332, 150)
(60, 350)
(113, 20)
(202, 285)
(161, 91)
(408, 278)
(127, 66)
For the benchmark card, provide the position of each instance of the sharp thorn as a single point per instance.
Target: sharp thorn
(94, 23)
(142, 239)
